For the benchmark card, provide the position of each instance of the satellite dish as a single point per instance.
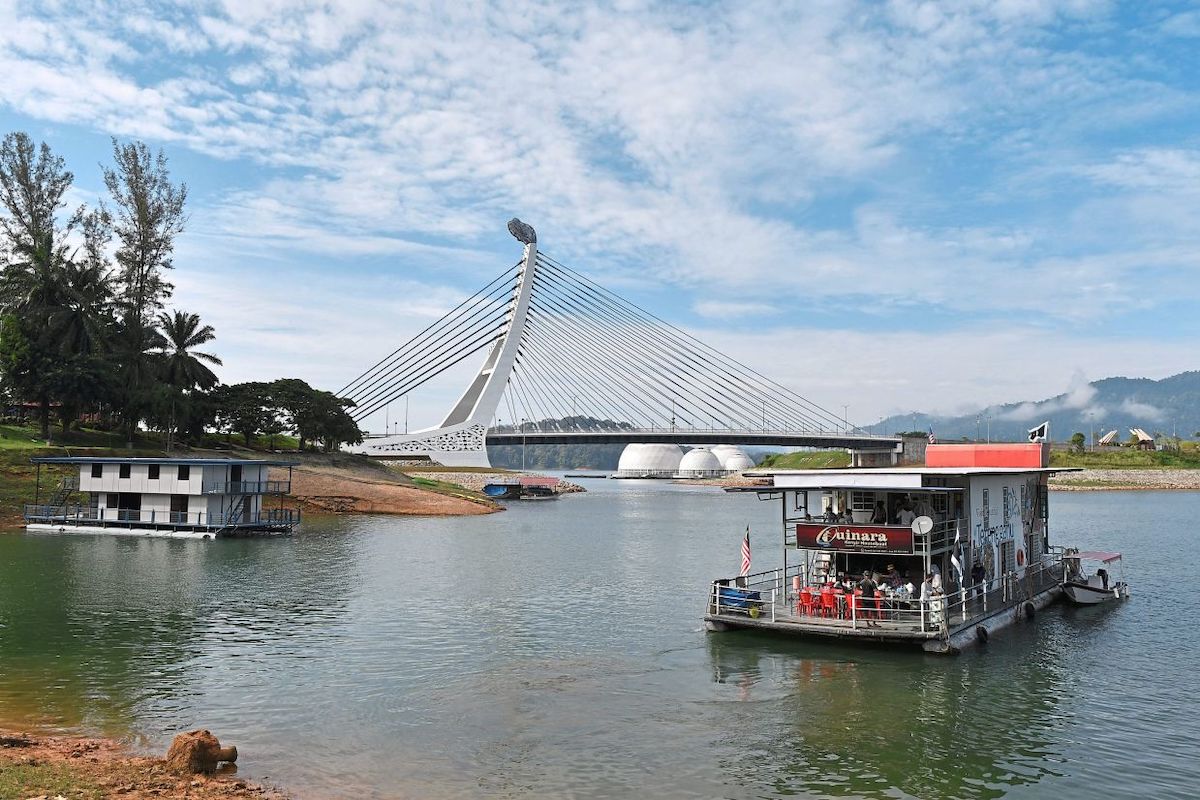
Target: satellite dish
(921, 526)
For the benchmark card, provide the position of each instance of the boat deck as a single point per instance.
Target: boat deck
(945, 625)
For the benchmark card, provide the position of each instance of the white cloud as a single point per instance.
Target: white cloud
(683, 146)
(730, 310)
(1144, 411)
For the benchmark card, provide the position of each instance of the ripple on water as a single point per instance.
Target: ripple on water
(556, 651)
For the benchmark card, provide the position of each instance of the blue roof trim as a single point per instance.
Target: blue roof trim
(200, 462)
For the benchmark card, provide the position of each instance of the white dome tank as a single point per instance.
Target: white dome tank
(700, 463)
(736, 461)
(732, 458)
(649, 459)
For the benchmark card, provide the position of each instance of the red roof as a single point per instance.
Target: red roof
(1027, 455)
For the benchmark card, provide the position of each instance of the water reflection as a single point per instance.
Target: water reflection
(108, 629)
(854, 722)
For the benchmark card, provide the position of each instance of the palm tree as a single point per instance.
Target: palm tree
(183, 368)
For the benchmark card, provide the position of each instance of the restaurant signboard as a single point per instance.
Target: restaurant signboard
(853, 538)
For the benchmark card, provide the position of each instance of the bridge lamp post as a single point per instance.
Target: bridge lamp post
(522, 444)
(845, 418)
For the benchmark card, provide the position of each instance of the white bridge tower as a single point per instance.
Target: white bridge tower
(459, 441)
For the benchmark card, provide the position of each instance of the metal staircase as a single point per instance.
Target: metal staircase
(68, 486)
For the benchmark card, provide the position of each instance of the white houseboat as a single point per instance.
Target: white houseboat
(975, 516)
(203, 498)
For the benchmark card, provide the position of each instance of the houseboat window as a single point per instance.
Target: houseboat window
(862, 501)
(1007, 492)
(124, 471)
(111, 500)
(985, 510)
(97, 470)
(940, 503)
(179, 503)
(184, 472)
(153, 472)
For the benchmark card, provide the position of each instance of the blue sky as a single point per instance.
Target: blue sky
(904, 205)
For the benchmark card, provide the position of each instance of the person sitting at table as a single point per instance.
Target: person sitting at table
(880, 515)
(906, 515)
(831, 515)
(892, 577)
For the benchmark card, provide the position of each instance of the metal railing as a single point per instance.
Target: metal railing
(247, 487)
(770, 595)
(275, 517)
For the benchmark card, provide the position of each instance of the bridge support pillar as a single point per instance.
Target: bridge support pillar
(874, 458)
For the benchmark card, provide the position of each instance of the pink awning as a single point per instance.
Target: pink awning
(1094, 555)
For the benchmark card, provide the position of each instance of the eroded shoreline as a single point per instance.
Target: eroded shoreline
(50, 765)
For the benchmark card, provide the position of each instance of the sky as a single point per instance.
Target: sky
(889, 206)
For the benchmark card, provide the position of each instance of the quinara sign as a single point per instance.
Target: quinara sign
(855, 538)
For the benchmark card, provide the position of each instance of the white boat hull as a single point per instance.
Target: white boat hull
(1086, 595)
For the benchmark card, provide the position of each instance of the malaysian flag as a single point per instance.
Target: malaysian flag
(746, 552)
(932, 438)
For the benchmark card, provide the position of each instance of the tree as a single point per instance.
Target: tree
(1078, 440)
(148, 217)
(245, 408)
(33, 187)
(314, 414)
(183, 366)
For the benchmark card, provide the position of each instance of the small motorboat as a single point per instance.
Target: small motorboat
(1097, 586)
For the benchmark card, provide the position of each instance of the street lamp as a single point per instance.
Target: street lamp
(522, 444)
(845, 419)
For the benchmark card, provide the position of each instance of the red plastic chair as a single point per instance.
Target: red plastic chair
(828, 602)
(806, 602)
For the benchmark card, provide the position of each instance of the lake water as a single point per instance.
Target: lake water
(557, 650)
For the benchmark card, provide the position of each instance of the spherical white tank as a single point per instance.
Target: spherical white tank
(699, 462)
(649, 458)
(736, 461)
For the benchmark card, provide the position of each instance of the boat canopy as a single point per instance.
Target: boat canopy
(1094, 555)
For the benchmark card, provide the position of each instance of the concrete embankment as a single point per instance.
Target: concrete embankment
(1145, 479)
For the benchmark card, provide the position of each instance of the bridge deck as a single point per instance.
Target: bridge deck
(852, 441)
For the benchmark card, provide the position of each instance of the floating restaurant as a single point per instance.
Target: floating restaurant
(938, 556)
(200, 498)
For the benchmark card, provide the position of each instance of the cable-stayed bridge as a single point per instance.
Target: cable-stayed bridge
(562, 352)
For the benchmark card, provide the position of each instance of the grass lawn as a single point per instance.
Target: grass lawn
(1127, 458)
(815, 459)
(45, 780)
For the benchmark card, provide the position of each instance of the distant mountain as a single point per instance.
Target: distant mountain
(1163, 406)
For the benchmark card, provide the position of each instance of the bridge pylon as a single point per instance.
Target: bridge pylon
(460, 439)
